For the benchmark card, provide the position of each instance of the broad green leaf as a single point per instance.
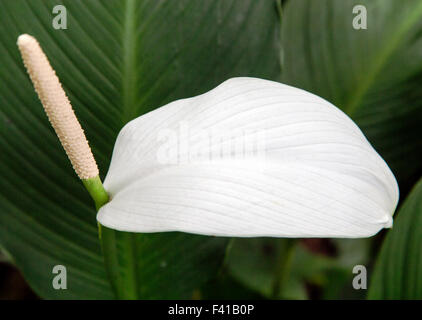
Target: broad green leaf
(372, 74)
(117, 59)
(398, 271)
(135, 259)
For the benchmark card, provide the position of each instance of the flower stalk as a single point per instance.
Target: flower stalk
(97, 191)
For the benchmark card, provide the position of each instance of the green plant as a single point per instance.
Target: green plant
(153, 52)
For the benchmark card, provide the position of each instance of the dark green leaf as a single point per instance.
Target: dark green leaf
(398, 271)
(162, 265)
(372, 74)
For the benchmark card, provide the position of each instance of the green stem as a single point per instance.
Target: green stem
(283, 264)
(123, 279)
(97, 191)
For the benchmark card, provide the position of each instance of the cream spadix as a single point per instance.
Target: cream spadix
(249, 158)
(57, 107)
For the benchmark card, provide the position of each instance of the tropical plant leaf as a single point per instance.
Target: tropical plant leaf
(372, 74)
(117, 60)
(398, 271)
(182, 262)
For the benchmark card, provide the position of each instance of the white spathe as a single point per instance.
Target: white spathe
(249, 158)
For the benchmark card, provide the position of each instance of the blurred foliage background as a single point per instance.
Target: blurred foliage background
(119, 59)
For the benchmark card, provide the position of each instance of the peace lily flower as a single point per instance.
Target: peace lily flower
(249, 158)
